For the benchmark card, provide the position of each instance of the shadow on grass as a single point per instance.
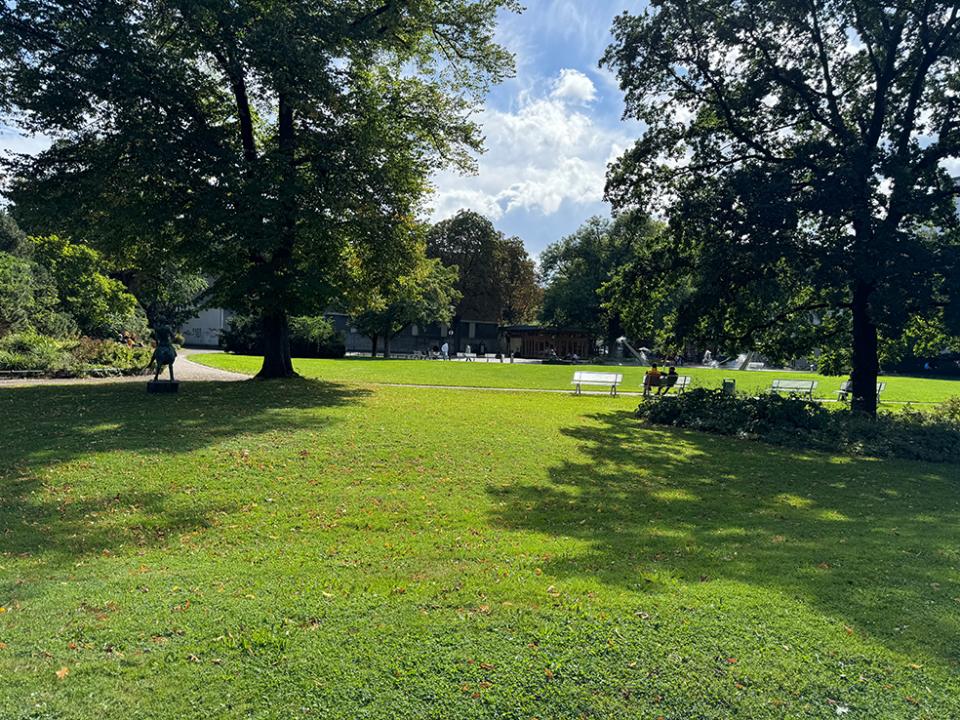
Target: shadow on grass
(46, 426)
(871, 543)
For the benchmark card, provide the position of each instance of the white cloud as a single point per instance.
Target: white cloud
(545, 152)
(574, 86)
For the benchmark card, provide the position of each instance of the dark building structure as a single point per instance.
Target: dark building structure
(480, 335)
(537, 341)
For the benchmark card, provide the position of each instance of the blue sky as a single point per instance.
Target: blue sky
(550, 131)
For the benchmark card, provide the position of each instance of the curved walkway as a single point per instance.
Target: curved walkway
(183, 369)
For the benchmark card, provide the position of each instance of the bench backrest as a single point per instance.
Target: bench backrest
(597, 377)
(801, 385)
(881, 387)
(683, 381)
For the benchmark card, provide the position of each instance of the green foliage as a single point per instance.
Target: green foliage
(273, 144)
(31, 351)
(933, 436)
(100, 305)
(28, 299)
(169, 292)
(581, 273)
(424, 294)
(12, 238)
(496, 278)
(783, 143)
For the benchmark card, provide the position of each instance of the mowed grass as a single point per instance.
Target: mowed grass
(557, 377)
(302, 549)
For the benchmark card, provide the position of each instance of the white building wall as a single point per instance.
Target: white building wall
(204, 330)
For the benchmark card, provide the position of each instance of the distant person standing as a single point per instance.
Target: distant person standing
(445, 350)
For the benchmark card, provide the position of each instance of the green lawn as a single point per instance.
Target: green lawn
(899, 389)
(310, 550)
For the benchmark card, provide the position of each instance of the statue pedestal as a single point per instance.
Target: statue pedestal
(162, 386)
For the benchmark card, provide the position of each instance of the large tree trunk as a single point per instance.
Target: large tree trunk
(866, 362)
(277, 362)
(373, 345)
(386, 345)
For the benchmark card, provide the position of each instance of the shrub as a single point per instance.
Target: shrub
(92, 353)
(932, 436)
(32, 351)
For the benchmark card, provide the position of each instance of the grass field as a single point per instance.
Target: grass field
(333, 550)
(478, 374)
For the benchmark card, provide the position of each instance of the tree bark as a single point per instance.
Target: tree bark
(386, 346)
(277, 362)
(866, 362)
(373, 345)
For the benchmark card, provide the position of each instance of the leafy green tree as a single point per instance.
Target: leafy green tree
(578, 270)
(424, 295)
(28, 300)
(520, 293)
(100, 305)
(797, 149)
(271, 142)
(12, 238)
(497, 279)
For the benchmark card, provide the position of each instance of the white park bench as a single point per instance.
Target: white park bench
(756, 366)
(803, 388)
(846, 388)
(680, 385)
(610, 380)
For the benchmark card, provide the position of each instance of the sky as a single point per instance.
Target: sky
(550, 130)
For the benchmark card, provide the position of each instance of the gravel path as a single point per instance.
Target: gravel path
(183, 369)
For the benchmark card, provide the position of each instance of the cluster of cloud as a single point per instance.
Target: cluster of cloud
(548, 150)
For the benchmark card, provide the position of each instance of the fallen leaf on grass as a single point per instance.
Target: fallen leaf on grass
(62, 673)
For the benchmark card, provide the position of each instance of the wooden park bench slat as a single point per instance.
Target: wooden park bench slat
(582, 377)
(804, 388)
(846, 388)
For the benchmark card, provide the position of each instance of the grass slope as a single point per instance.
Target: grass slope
(311, 550)
(505, 375)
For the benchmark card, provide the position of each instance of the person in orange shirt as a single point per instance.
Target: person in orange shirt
(651, 380)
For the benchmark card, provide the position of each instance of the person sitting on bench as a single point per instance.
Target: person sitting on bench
(668, 381)
(651, 380)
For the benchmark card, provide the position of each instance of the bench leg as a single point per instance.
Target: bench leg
(577, 391)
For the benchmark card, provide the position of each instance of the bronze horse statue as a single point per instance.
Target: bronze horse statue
(165, 353)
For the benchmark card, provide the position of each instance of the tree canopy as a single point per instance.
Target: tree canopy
(273, 142)
(797, 150)
(577, 272)
(497, 279)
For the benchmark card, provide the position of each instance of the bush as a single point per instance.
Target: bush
(30, 351)
(931, 436)
(91, 353)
